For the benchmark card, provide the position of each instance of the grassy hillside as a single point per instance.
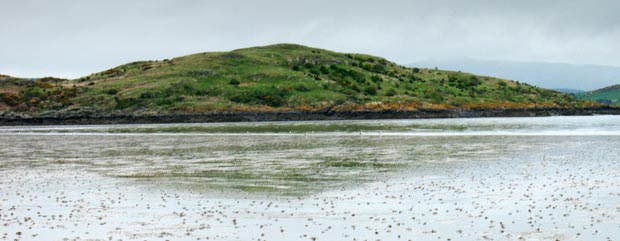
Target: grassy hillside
(276, 77)
(607, 95)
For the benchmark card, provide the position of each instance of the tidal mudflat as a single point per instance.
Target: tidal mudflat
(544, 178)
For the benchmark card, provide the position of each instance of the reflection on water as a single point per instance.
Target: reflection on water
(285, 165)
(488, 178)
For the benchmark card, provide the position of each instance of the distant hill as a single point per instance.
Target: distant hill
(607, 95)
(275, 78)
(568, 91)
(541, 74)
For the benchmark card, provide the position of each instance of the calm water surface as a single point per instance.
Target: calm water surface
(546, 178)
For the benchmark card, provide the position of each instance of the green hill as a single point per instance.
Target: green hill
(271, 78)
(607, 95)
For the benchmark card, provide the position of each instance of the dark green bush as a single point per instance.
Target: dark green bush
(324, 70)
(301, 88)
(125, 103)
(371, 90)
(234, 82)
(376, 78)
(378, 68)
(269, 96)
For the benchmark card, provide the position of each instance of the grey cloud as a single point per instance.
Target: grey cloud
(71, 38)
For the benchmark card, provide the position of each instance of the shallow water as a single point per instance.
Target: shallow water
(541, 178)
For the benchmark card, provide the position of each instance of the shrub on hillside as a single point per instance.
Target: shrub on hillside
(10, 99)
(370, 90)
(234, 82)
(268, 96)
(301, 88)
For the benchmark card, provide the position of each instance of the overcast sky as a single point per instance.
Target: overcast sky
(72, 38)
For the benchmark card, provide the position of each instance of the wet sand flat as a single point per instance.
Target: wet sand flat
(552, 178)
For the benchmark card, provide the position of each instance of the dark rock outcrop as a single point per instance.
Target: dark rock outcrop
(93, 116)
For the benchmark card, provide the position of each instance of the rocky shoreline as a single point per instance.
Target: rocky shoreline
(94, 117)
